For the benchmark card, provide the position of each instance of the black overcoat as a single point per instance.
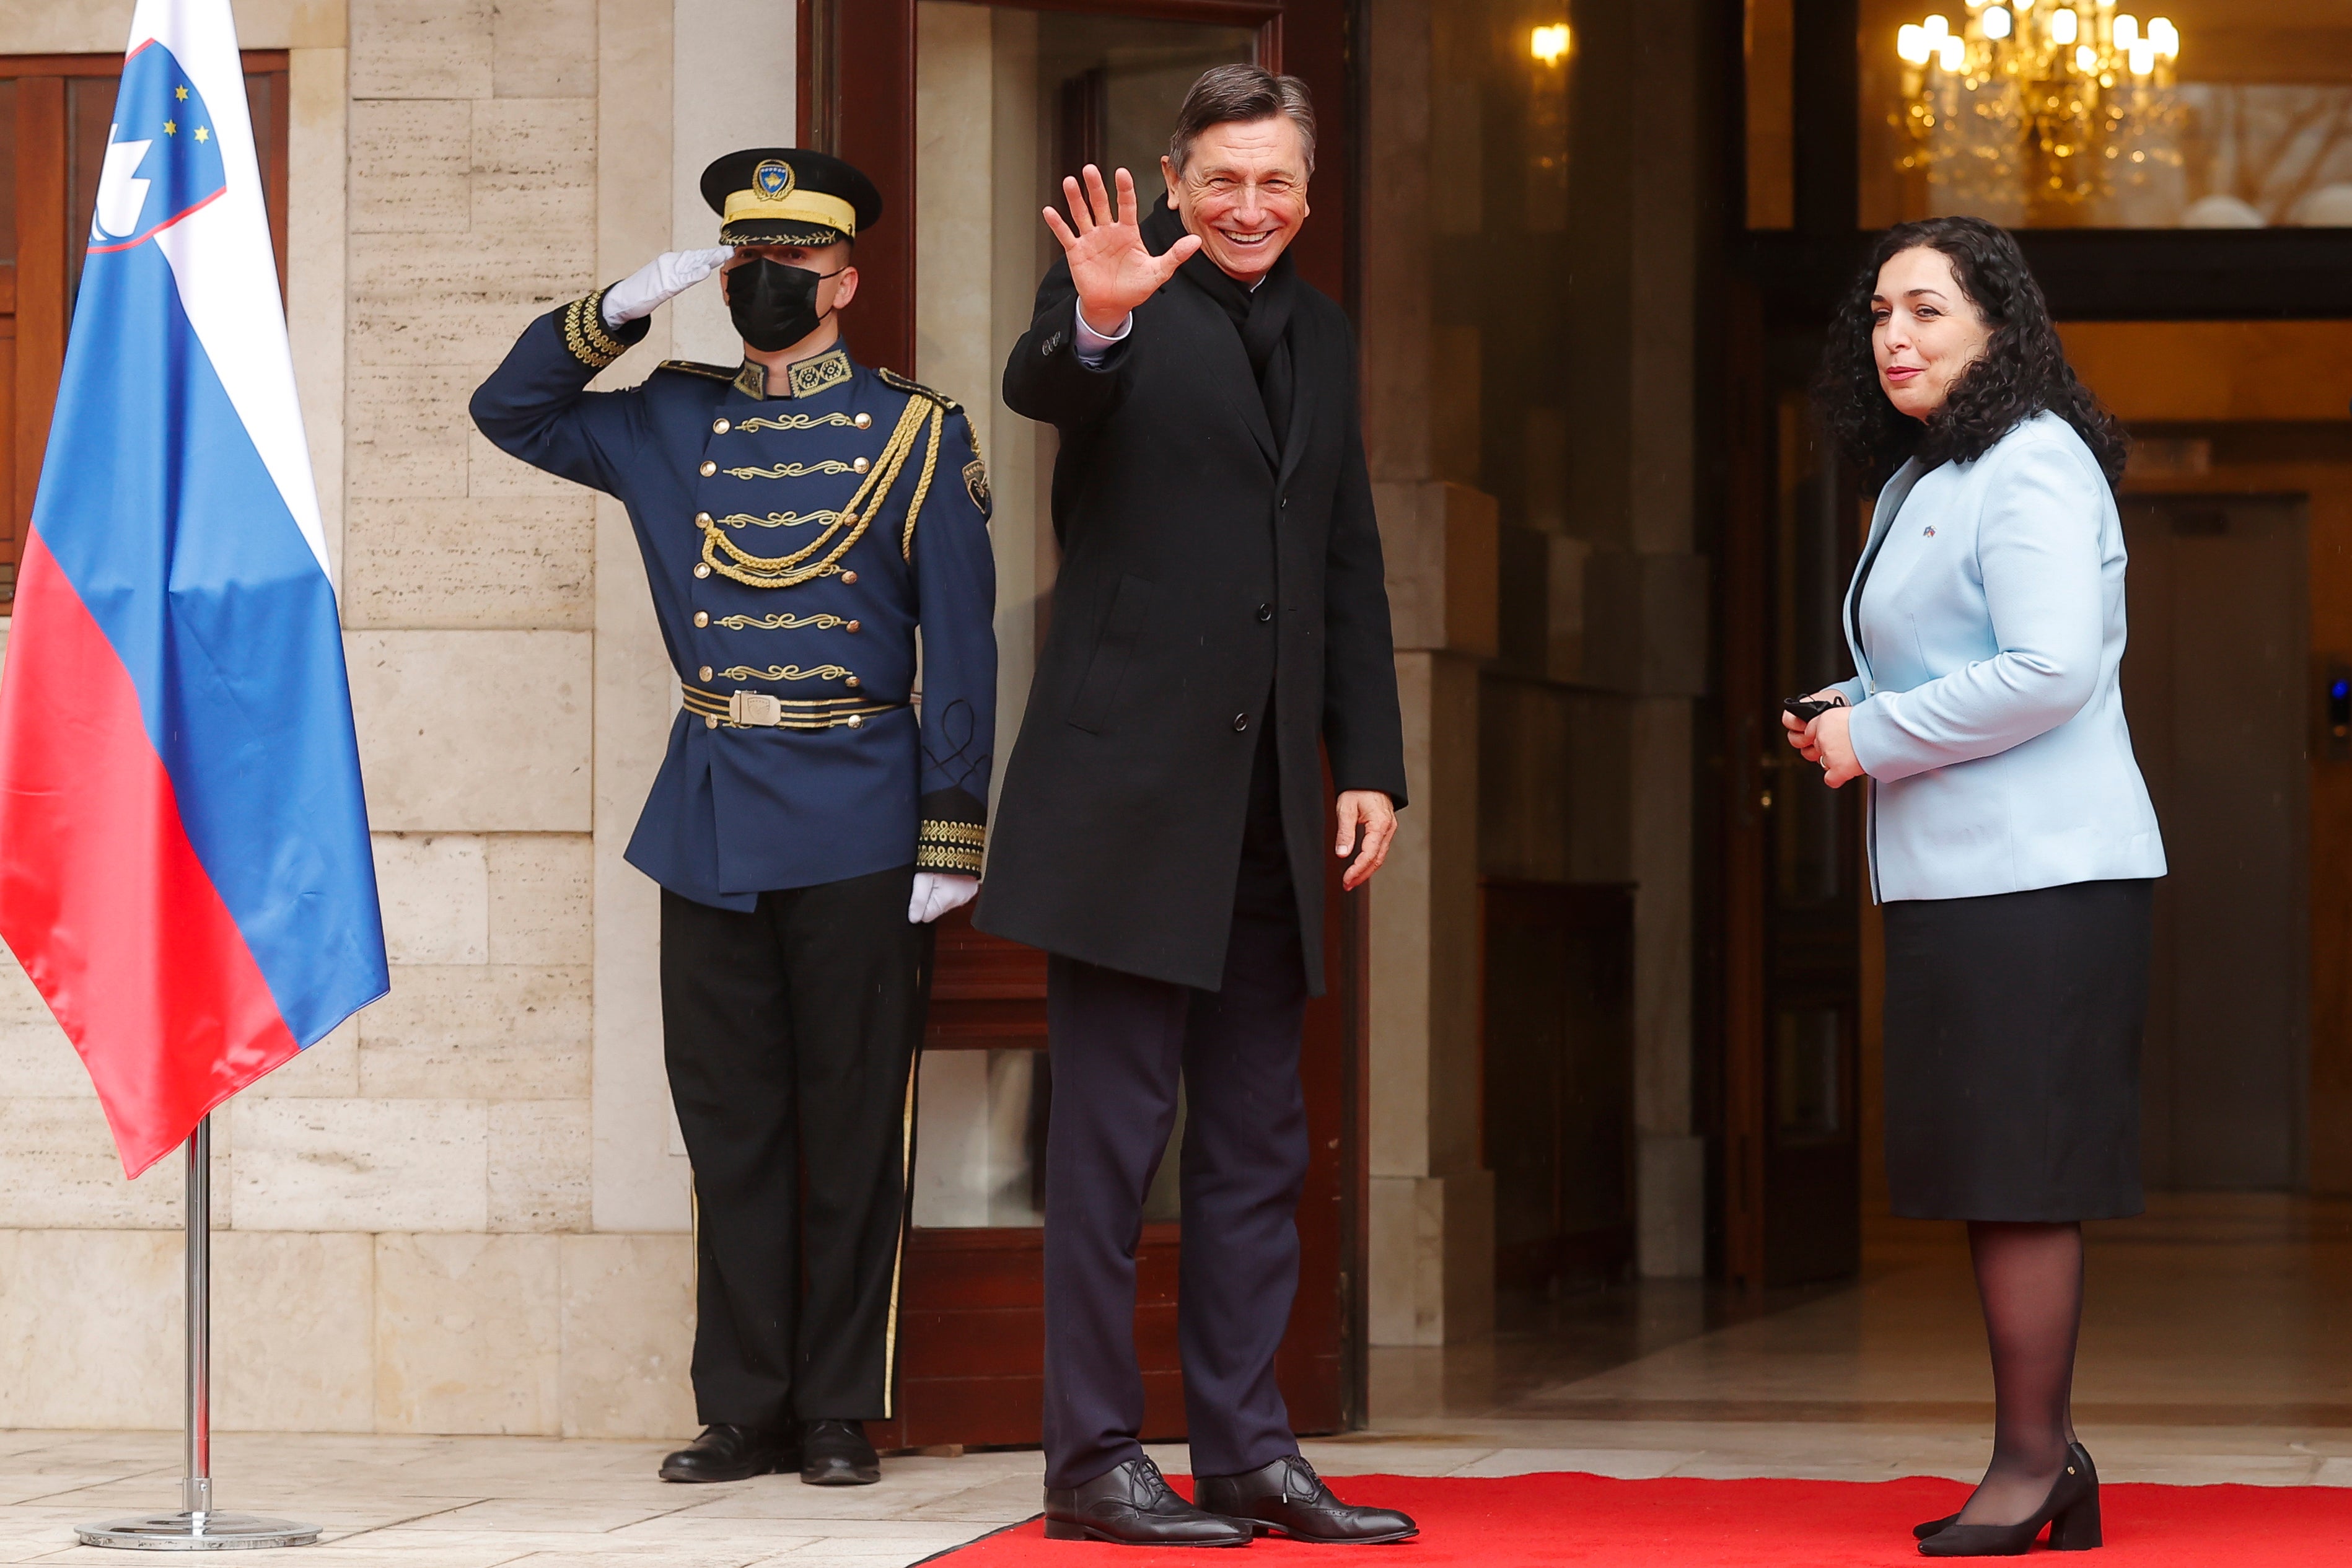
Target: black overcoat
(1205, 575)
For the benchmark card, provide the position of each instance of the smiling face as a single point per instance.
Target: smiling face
(1242, 192)
(1927, 332)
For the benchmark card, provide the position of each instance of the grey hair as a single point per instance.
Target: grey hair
(1225, 95)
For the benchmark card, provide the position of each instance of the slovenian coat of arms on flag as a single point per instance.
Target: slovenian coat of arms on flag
(184, 870)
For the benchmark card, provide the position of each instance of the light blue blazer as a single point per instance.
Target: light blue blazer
(1988, 713)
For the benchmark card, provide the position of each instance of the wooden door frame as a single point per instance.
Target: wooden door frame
(857, 99)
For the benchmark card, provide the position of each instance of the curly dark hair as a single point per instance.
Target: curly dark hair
(2022, 370)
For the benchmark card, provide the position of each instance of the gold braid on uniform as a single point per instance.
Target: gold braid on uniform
(729, 560)
(585, 334)
(958, 847)
(923, 485)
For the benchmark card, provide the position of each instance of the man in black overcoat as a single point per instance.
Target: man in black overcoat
(1220, 616)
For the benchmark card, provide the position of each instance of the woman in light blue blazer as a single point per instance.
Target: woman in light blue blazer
(2011, 840)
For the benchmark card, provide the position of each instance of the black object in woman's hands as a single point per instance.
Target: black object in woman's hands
(1808, 709)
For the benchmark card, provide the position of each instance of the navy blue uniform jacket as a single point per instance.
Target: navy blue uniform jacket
(789, 595)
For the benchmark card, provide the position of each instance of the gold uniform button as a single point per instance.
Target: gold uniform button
(853, 626)
(860, 464)
(858, 721)
(702, 569)
(864, 422)
(851, 682)
(718, 427)
(702, 618)
(702, 520)
(708, 468)
(710, 721)
(849, 578)
(706, 671)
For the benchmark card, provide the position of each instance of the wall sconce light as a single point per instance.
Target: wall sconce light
(1549, 45)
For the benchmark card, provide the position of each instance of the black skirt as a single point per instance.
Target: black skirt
(2012, 1053)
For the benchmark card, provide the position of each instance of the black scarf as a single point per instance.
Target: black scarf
(1262, 315)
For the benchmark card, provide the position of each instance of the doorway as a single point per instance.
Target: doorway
(968, 114)
(2213, 684)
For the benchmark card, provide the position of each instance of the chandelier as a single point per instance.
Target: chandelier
(2049, 98)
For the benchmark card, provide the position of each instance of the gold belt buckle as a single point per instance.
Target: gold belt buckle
(755, 709)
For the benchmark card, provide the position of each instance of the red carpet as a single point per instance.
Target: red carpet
(1523, 1522)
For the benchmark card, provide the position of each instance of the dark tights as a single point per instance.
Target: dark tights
(2030, 1279)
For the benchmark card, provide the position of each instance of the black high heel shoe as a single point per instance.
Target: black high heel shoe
(2074, 1452)
(2071, 1511)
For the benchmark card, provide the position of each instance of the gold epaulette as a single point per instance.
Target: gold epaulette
(695, 368)
(915, 388)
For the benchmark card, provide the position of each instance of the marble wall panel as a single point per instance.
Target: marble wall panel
(58, 1170)
(36, 1056)
(628, 1335)
(318, 158)
(527, 562)
(540, 1159)
(90, 1329)
(534, 166)
(99, 27)
(409, 165)
(293, 1331)
(460, 301)
(434, 889)
(360, 1165)
(546, 49)
(469, 1333)
(479, 1032)
(540, 889)
(422, 49)
(328, 1069)
(408, 428)
(474, 731)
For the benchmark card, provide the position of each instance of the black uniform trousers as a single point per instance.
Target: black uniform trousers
(1119, 1044)
(791, 1033)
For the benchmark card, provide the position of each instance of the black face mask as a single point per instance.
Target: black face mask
(775, 305)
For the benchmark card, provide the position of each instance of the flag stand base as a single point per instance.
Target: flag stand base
(196, 1532)
(198, 1527)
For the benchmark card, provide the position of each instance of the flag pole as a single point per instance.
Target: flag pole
(197, 1527)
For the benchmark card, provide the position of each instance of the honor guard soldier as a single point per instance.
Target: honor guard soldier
(801, 516)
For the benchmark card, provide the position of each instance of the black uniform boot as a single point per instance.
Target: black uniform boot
(726, 1452)
(1288, 1498)
(836, 1454)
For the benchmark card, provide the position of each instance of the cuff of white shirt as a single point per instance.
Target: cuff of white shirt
(1092, 347)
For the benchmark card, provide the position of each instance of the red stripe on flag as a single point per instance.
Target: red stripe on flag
(101, 896)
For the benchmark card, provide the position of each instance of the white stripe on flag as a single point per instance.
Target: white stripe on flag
(221, 258)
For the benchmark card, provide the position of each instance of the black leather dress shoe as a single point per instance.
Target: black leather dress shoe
(1288, 1498)
(836, 1454)
(1130, 1505)
(730, 1453)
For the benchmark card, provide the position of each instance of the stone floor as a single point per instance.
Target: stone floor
(2217, 1347)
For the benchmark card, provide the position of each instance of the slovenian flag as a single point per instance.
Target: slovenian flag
(183, 850)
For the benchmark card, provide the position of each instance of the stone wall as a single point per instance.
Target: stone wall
(410, 1212)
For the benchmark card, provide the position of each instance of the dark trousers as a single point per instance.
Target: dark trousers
(791, 1034)
(1119, 1043)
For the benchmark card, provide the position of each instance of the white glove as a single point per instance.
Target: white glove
(937, 892)
(658, 279)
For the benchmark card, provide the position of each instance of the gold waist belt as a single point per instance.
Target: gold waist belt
(758, 710)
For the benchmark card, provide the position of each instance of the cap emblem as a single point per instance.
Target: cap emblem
(773, 179)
